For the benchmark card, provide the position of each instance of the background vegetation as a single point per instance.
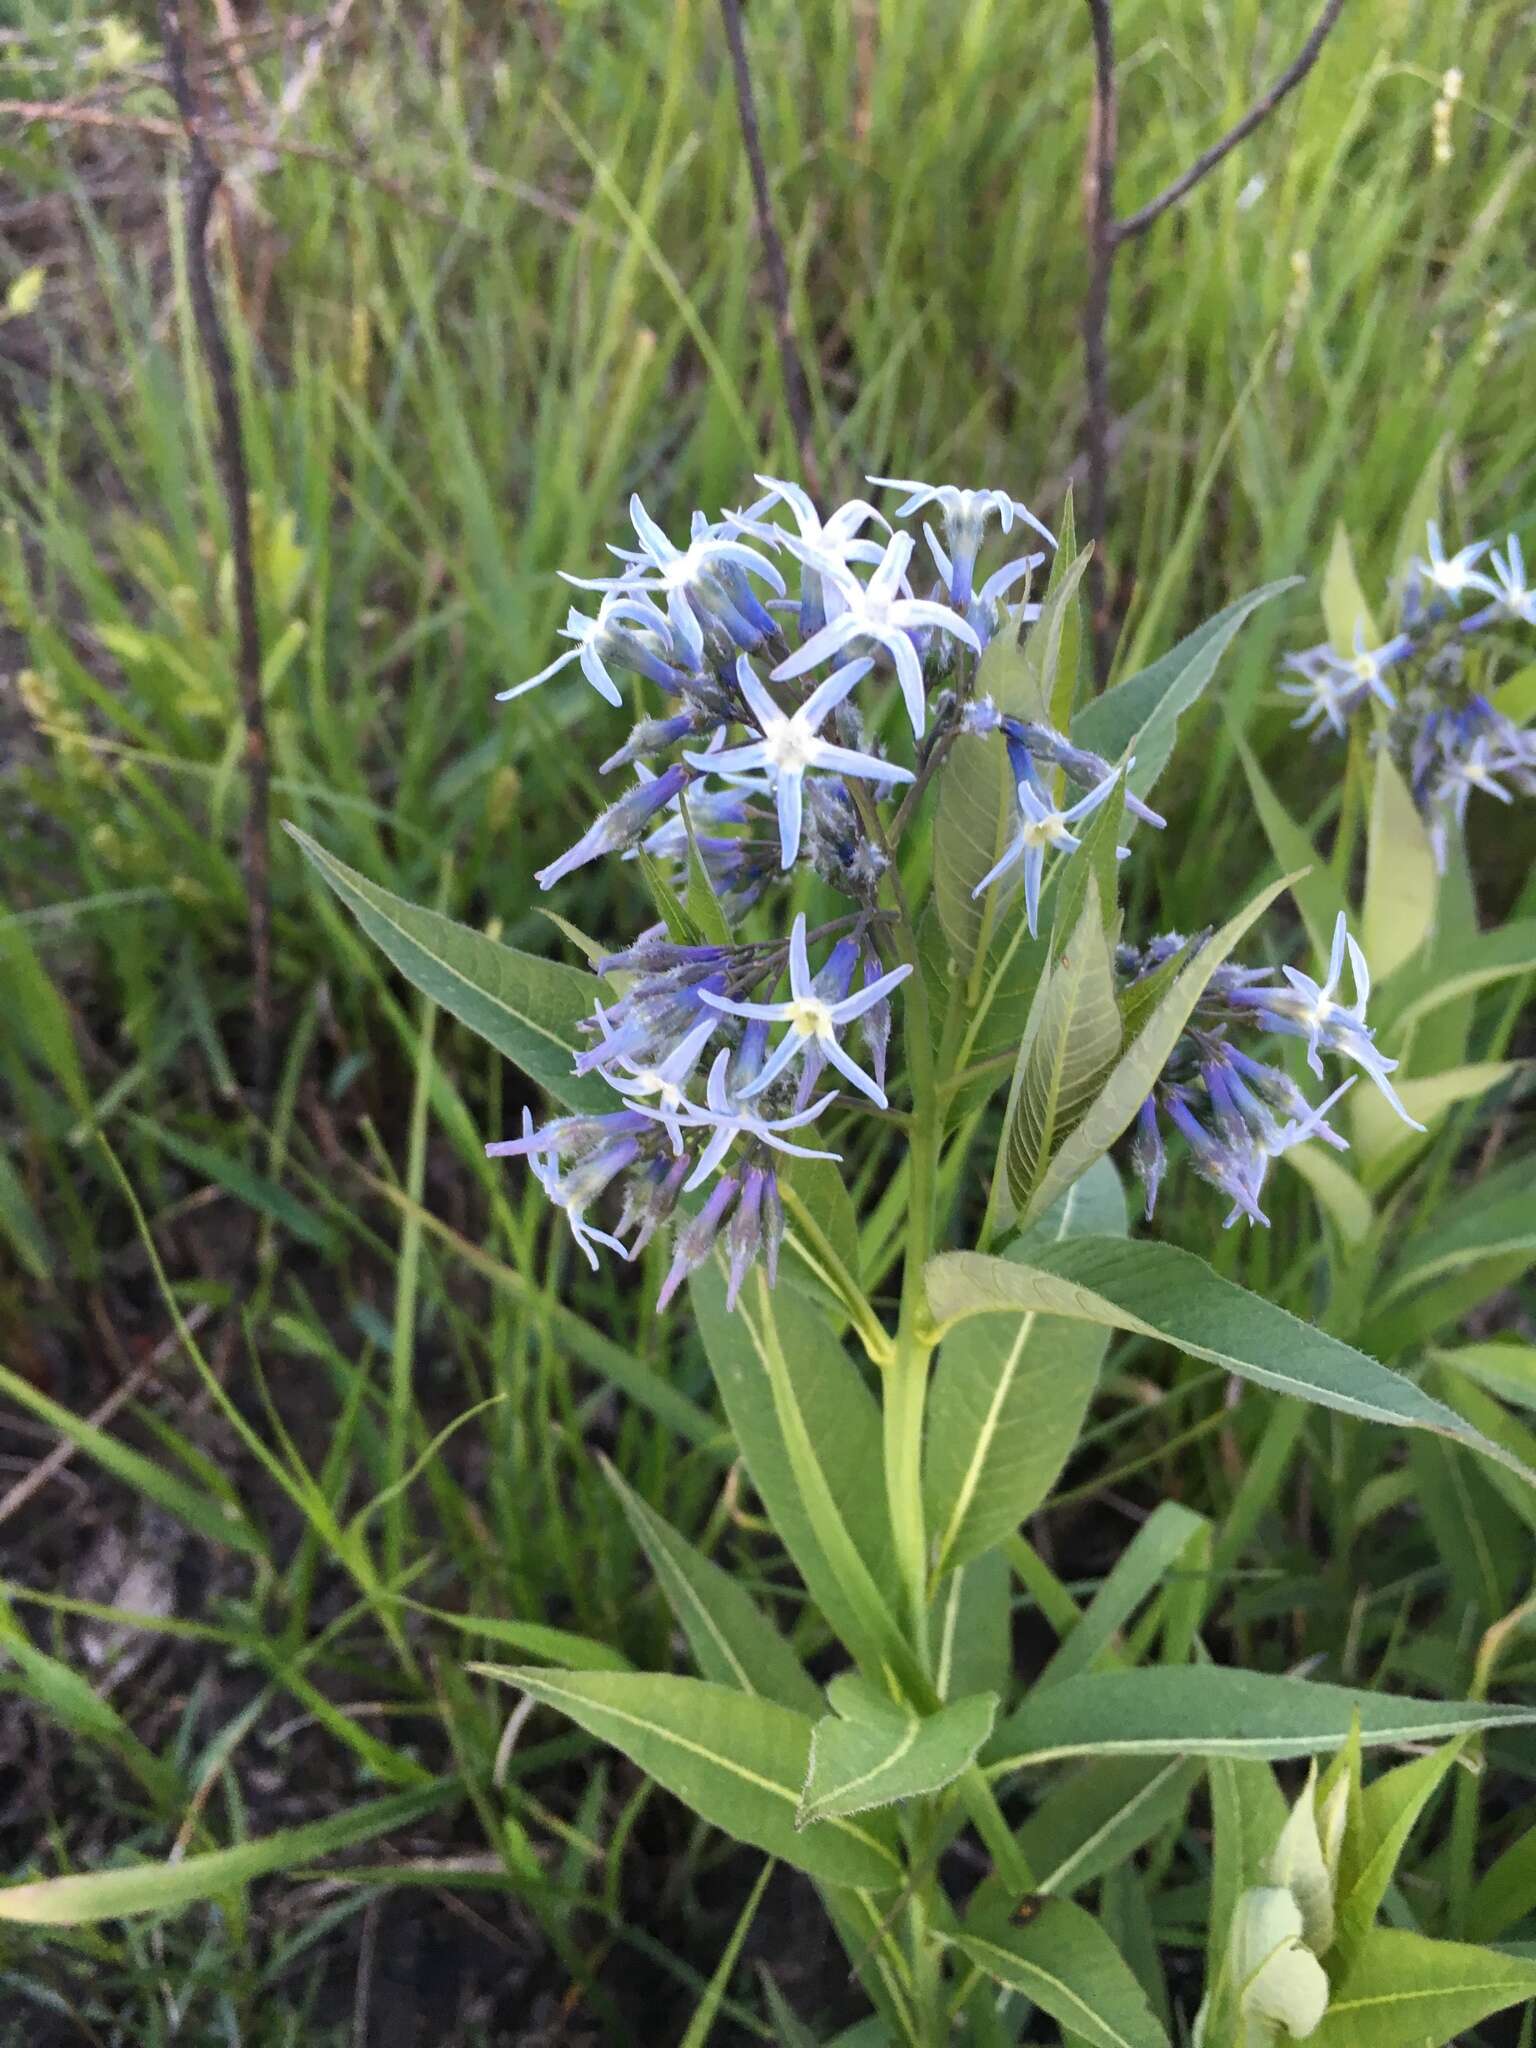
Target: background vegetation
(314, 1383)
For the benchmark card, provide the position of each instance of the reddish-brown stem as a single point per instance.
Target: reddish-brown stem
(202, 184)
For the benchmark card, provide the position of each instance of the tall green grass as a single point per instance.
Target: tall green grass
(539, 289)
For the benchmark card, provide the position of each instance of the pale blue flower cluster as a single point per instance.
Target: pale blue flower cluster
(760, 632)
(1238, 1114)
(1429, 681)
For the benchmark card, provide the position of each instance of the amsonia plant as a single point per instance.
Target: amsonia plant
(862, 1076)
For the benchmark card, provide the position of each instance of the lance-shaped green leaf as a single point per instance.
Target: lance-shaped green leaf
(1427, 1097)
(1068, 561)
(1505, 1892)
(1201, 1710)
(1141, 715)
(1097, 1815)
(736, 1759)
(1318, 896)
(1406, 1991)
(1400, 878)
(1070, 1043)
(1152, 1552)
(732, 1641)
(526, 1007)
(1052, 644)
(1507, 1367)
(1479, 962)
(970, 1625)
(1156, 1290)
(1061, 1959)
(1130, 1079)
(976, 812)
(872, 1753)
(1390, 1807)
(1096, 860)
(1345, 611)
(1492, 1220)
(810, 1433)
(1008, 1398)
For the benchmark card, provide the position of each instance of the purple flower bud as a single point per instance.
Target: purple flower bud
(875, 1024)
(619, 826)
(1147, 1155)
(651, 736)
(744, 1232)
(696, 1238)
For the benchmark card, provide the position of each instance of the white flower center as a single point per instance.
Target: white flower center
(788, 747)
(810, 1017)
(1046, 831)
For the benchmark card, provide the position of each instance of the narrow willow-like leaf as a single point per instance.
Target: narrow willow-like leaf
(1390, 1808)
(970, 1626)
(1401, 883)
(1429, 1096)
(1140, 998)
(1318, 896)
(1156, 1290)
(165, 1887)
(1422, 506)
(1345, 611)
(872, 1759)
(1051, 644)
(1339, 1193)
(1200, 1710)
(1406, 1991)
(1474, 1230)
(1505, 1892)
(732, 1641)
(525, 1006)
(976, 812)
(1463, 968)
(1130, 1080)
(1140, 1568)
(701, 901)
(683, 929)
(1095, 861)
(1062, 700)
(736, 1759)
(1008, 1399)
(1507, 1368)
(1061, 1959)
(810, 1433)
(1141, 715)
(1100, 1813)
(1072, 1042)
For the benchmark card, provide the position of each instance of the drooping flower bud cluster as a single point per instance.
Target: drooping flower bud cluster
(1238, 1114)
(1430, 682)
